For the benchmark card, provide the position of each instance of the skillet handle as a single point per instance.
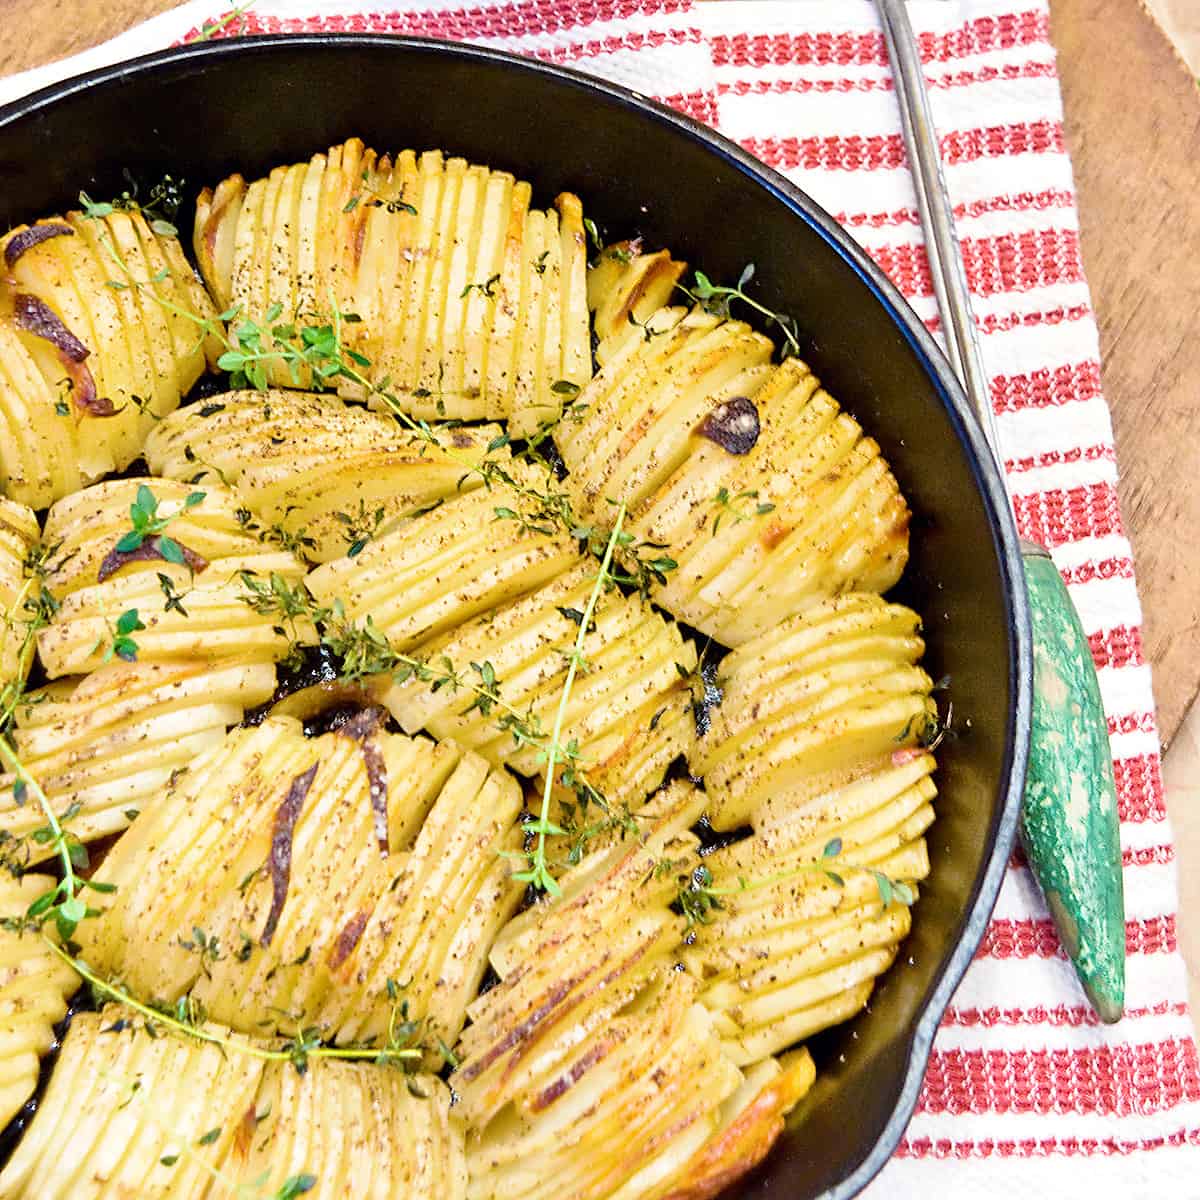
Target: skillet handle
(1069, 824)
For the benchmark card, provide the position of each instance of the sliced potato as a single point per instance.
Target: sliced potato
(635, 661)
(34, 986)
(622, 1113)
(352, 915)
(140, 603)
(612, 925)
(356, 1129)
(637, 417)
(625, 288)
(325, 473)
(810, 510)
(433, 256)
(127, 1114)
(19, 533)
(106, 747)
(824, 692)
(811, 909)
(86, 396)
(749, 1122)
(83, 530)
(440, 568)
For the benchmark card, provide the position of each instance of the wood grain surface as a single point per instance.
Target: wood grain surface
(1133, 126)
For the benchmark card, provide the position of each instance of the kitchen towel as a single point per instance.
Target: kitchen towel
(1024, 1089)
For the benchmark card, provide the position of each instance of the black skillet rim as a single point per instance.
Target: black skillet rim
(946, 386)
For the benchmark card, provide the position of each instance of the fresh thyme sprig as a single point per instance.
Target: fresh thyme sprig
(186, 1020)
(147, 523)
(538, 872)
(159, 208)
(732, 506)
(64, 903)
(211, 28)
(717, 300)
(364, 651)
(698, 898)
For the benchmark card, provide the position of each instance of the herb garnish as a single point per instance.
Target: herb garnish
(698, 898)
(717, 300)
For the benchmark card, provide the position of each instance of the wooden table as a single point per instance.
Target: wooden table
(1133, 125)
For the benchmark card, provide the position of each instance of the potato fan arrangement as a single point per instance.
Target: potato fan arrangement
(466, 754)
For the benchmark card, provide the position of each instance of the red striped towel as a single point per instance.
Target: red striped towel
(1024, 1088)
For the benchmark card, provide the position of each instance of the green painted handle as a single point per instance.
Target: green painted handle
(1069, 824)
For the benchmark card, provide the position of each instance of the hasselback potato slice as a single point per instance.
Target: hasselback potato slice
(824, 693)
(437, 570)
(323, 867)
(626, 1112)
(631, 427)
(569, 963)
(809, 510)
(105, 747)
(327, 473)
(749, 1122)
(637, 664)
(102, 330)
(128, 1114)
(18, 536)
(354, 1129)
(154, 570)
(625, 287)
(469, 303)
(34, 986)
(808, 913)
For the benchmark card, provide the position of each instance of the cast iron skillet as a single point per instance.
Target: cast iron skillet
(204, 111)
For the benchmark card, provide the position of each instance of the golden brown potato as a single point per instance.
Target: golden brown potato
(635, 660)
(106, 746)
(143, 604)
(625, 287)
(34, 986)
(632, 426)
(803, 924)
(470, 303)
(102, 332)
(18, 535)
(750, 1121)
(326, 473)
(822, 694)
(624, 1111)
(809, 510)
(613, 926)
(434, 571)
(394, 872)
